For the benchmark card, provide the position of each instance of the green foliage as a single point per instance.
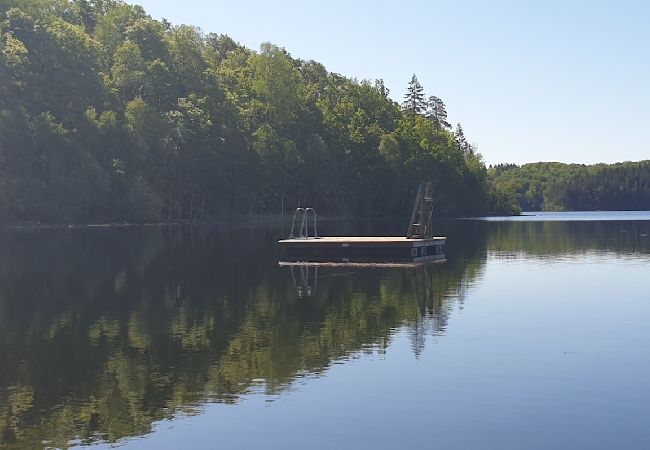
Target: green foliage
(109, 115)
(128, 70)
(560, 187)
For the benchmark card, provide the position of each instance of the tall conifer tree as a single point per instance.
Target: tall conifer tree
(414, 102)
(461, 140)
(437, 113)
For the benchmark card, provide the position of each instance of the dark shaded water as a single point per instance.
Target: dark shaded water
(532, 335)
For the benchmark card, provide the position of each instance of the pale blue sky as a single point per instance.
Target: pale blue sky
(529, 80)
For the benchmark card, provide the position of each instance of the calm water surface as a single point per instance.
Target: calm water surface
(533, 335)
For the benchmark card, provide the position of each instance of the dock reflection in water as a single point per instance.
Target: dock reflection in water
(304, 274)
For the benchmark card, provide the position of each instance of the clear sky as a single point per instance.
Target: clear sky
(529, 80)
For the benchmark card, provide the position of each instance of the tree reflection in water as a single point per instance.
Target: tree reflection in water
(105, 331)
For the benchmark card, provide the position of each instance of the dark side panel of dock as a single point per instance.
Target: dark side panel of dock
(373, 247)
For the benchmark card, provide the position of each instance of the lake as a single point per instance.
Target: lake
(533, 334)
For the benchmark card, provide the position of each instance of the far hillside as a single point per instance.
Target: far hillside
(553, 186)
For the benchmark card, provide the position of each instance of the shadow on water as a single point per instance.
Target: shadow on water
(103, 332)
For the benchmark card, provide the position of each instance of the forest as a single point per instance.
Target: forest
(574, 187)
(107, 115)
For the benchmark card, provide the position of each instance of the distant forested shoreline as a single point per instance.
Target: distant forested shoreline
(552, 186)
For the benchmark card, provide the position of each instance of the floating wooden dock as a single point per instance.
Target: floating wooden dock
(419, 244)
(416, 250)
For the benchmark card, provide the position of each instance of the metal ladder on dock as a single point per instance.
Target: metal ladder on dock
(422, 216)
(302, 215)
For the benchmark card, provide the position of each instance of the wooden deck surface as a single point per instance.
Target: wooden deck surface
(364, 240)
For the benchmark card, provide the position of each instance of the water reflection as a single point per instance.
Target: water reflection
(103, 332)
(301, 282)
(304, 274)
(551, 239)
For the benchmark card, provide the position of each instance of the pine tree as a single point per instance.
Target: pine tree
(437, 113)
(461, 140)
(414, 102)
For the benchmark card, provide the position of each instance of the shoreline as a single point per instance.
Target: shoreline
(258, 219)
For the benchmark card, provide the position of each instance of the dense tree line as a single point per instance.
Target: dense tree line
(575, 187)
(109, 115)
